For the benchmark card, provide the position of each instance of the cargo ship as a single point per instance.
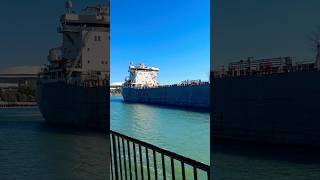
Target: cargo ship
(142, 86)
(73, 89)
(272, 100)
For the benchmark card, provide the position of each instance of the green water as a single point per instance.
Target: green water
(181, 131)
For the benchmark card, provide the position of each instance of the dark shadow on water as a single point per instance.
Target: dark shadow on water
(268, 151)
(183, 108)
(118, 100)
(42, 126)
(70, 129)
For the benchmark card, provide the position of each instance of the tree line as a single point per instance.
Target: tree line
(20, 94)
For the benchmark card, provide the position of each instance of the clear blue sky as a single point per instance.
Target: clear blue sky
(262, 29)
(172, 35)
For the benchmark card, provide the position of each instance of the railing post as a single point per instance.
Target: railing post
(129, 155)
(172, 169)
(141, 162)
(119, 151)
(124, 157)
(115, 157)
(163, 167)
(155, 165)
(135, 160)
(147, 157)
(195, 174)
(183, 171)
(111, 162)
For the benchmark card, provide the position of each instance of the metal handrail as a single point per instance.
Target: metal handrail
(121, 156)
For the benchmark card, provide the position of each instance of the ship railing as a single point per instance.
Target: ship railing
(174, 85)
(135, 159)
(90, 83)
(186, 84)
(263, 72)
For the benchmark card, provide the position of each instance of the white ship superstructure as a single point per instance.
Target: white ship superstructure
(142, 76)
(84, 54)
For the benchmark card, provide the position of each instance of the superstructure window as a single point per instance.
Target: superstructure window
(97, 38)
(104, 62)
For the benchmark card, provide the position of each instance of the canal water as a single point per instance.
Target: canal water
(181, 131)
(178, 130)
(30, 149)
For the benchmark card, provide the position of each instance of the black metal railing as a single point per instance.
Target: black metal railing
(135, 159)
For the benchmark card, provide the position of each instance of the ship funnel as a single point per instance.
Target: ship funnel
(69, 6)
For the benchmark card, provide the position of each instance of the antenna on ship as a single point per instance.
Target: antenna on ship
(318, 55)
(69, 6)
(315, 39)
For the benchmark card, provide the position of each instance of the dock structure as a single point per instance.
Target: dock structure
(116, 85)
(17, 80)
(115, 88)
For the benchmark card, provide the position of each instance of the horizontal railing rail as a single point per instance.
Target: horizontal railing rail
(135, 159)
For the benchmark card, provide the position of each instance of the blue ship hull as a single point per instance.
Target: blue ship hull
(193, 96)
(278, 108)
(62, 103)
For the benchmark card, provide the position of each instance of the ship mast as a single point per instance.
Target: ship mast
(317, 64)
(69, 6)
